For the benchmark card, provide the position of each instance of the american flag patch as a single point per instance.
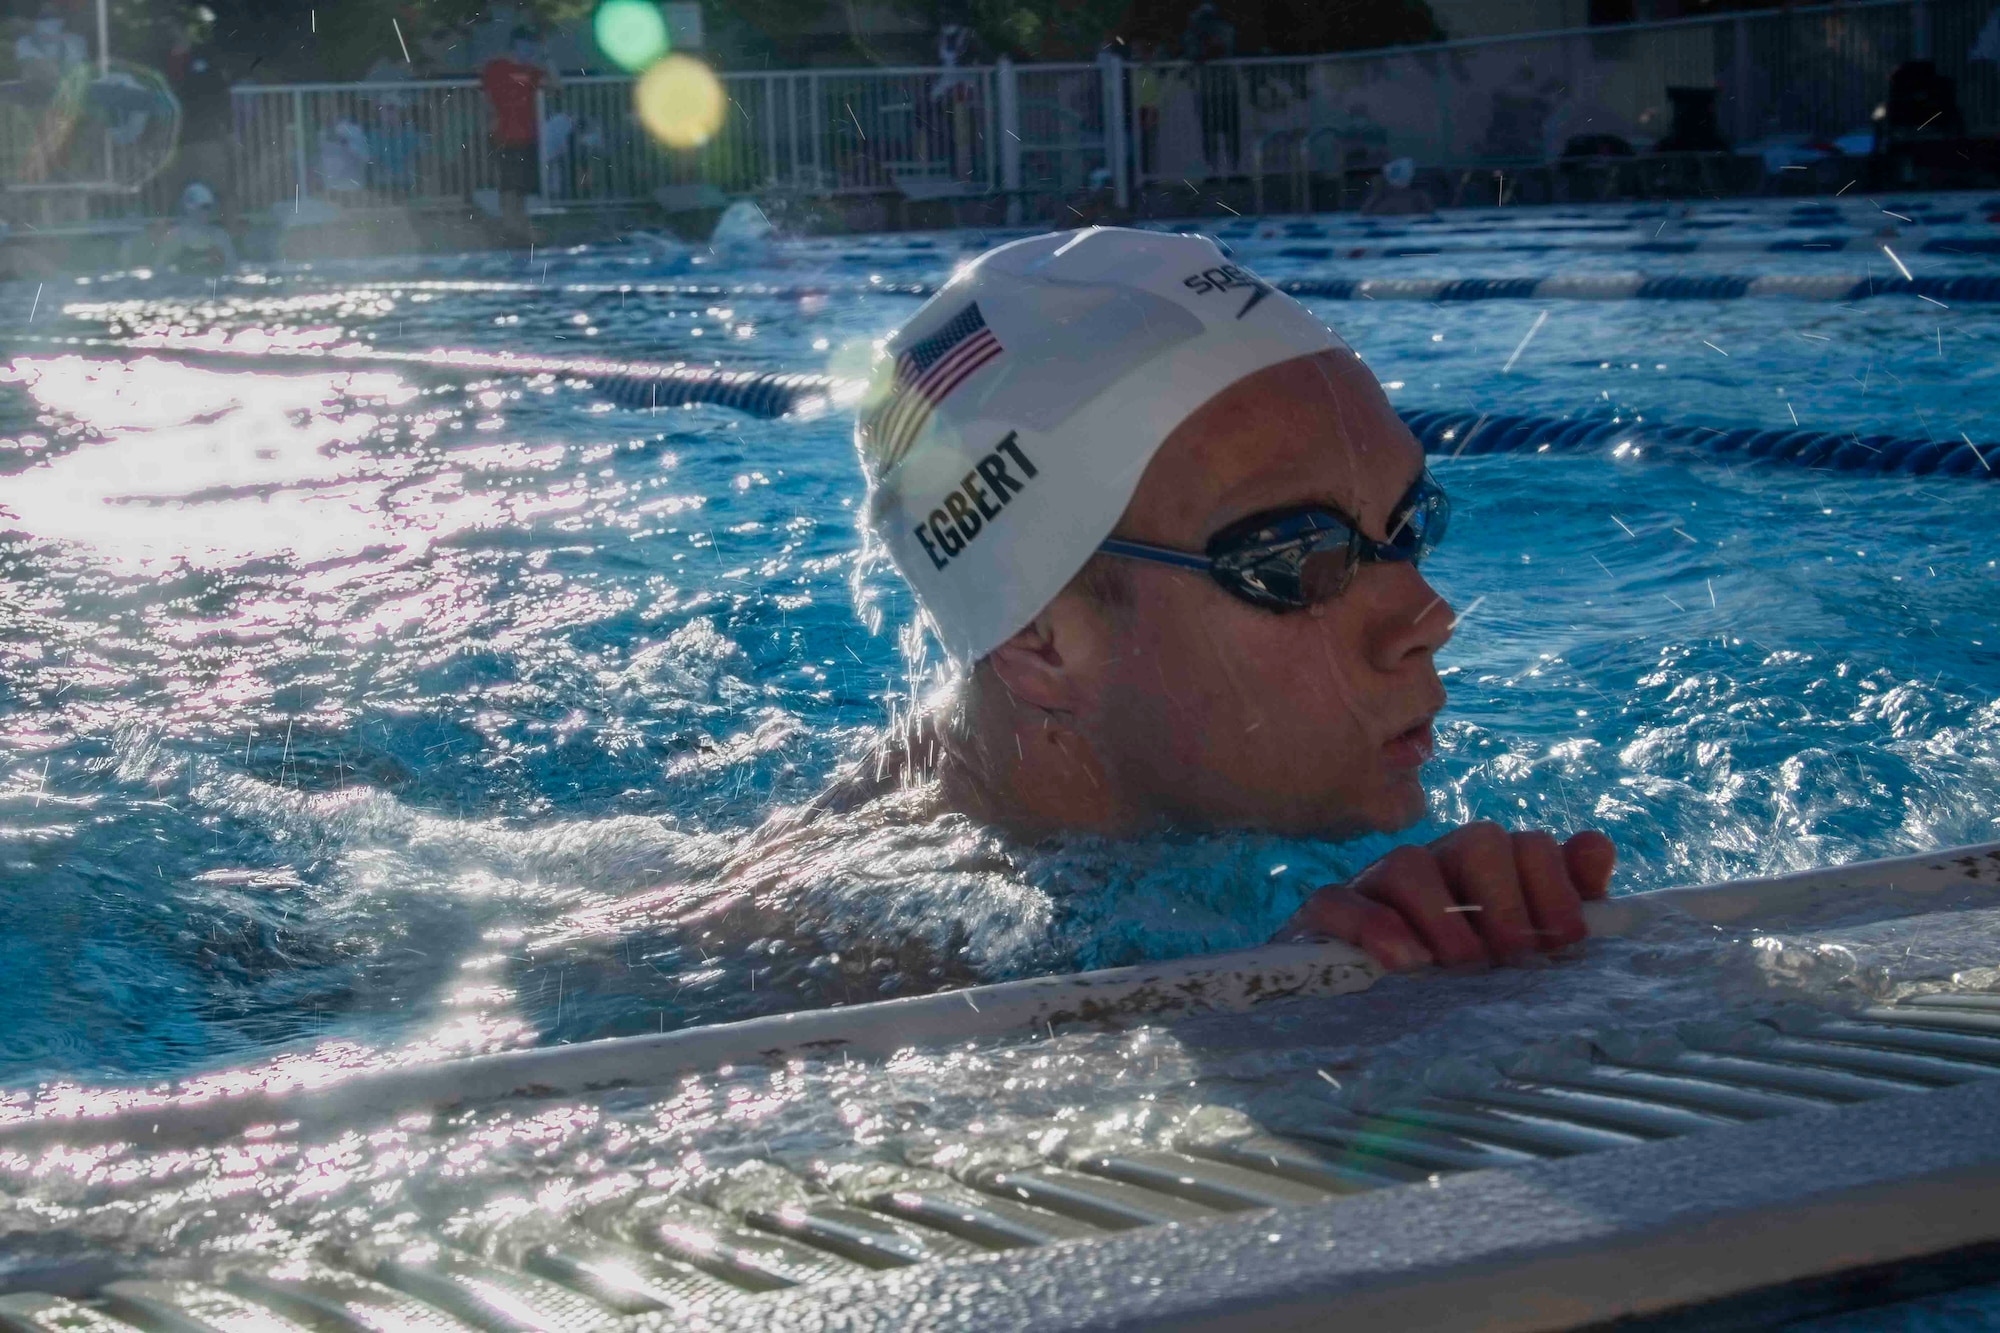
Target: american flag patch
(925, 374)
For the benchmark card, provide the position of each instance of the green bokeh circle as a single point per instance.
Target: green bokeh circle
(633, 33)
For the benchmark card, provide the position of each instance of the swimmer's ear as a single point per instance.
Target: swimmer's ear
(1031, 667)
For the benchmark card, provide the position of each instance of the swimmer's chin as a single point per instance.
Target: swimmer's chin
(1397, 805)
(1407, 804)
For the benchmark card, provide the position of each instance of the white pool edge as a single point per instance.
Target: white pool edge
(1226, 982)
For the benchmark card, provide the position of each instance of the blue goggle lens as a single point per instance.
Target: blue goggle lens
(1308, 556)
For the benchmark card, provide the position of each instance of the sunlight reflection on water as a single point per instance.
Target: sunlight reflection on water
(393, 714)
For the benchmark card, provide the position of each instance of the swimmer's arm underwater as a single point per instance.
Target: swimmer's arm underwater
(1479, 894)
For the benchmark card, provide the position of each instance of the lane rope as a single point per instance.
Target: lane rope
(1260, 247)
(640, 385)
(643, 386)
(1454, 434)
(1970, 288)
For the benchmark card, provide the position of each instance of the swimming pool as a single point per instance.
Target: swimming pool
(360, 718)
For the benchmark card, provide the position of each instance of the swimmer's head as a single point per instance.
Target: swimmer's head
(1010, 419)
(1141, 387)
(1399, 173)
(197, 201)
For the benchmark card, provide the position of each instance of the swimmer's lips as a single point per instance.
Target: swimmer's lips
(1411, 748)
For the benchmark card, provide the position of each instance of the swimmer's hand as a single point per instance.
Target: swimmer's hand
(1477, 895)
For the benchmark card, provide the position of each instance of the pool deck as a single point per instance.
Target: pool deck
(28, 253)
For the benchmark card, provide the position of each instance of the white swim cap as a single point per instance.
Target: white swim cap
(1011, 418)
(197, 195)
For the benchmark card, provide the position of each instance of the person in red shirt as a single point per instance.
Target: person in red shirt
(510, 83)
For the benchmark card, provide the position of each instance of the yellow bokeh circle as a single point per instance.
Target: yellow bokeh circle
(680, 102)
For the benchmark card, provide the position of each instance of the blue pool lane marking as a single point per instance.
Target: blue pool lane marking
(1968, 289)
(1416, 248)
(1453, 434)
(644, 386)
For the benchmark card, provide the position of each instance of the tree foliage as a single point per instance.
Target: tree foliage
(275, 41)
(287, 40)
(1078, 29)
(767, 33)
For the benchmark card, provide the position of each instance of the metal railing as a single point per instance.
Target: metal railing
(923, 132)
(1517, 100)
(1018, 131)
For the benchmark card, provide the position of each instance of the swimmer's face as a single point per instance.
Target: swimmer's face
(1212, 712)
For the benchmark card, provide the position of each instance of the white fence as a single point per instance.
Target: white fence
(922, 132)
(1022, 130)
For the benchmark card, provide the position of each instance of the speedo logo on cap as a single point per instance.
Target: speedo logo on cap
(969, 508)
(1227, 278)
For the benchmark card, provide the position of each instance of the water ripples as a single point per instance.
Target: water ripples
(355, 718)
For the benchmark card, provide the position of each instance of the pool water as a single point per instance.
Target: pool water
(356, 718)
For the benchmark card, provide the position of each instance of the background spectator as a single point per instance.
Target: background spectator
(1209, 36)
(394, 145)
(510, 83)
(1148, 92)
(343, 158)
(952, 97)
(208, 119)
(46, 54)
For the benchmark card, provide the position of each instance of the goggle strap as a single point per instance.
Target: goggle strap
(1162, 555)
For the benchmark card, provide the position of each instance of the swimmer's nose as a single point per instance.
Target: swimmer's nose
(1414, 620)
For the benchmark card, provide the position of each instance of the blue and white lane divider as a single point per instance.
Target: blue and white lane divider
(1967, 288)
(644, 386)
(1819, 245)
(692, 290)
(641, 385)
(1454, 434)
(1644, 287)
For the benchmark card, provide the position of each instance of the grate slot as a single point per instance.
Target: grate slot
(335, 1301)
(706, 1239)
(1215, 1184)
(1989, 1004)
(190, 1307)
(865, 1237)
(942, 1204)
(1826, 1084)
(1701, 1094)
(490, 1297)
(1931, 1070)
(627, 1280)
(1627, 1115)
(1951, 1020)
(1316, 1164)
(1412, 1145)
(1512, 1129)
(33, 1312)
(1886, 1036)
(1105, 1203)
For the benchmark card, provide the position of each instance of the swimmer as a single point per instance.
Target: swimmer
(1395, 191)
(195, 243)
(1172, 533)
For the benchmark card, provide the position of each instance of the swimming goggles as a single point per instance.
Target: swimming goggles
(1290, 559)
